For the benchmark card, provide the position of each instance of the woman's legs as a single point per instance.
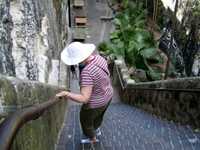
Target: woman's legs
(99, 118)
(86, 120)
(91, 119)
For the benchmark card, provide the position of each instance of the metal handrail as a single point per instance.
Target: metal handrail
(11, 125)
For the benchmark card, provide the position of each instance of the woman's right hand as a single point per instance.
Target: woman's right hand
(62, 94)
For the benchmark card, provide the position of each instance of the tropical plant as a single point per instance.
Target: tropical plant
(103, 47)
(132, 40)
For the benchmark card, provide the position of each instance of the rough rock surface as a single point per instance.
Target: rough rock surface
(6, 25)
(33, 34)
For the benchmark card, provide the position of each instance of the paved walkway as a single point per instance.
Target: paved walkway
(124, 127)
(128, 128)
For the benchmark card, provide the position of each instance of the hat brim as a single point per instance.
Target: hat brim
(86, 51)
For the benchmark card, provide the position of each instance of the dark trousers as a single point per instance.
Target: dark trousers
(91, 119)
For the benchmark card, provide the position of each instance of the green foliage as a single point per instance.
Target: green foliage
(191, 17)
(195, 8)
(132, 40)
(103, 46)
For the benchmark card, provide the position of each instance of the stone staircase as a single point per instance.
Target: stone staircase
(80, 20)
(129, 128)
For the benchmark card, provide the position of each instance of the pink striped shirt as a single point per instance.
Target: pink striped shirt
(96, 73)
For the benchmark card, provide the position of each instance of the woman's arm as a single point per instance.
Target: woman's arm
(83, 97)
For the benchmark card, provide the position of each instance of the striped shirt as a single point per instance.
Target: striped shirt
(96, 73)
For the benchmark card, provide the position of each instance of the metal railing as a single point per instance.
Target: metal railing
(11, 125)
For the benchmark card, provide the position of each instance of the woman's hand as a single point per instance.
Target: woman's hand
(62, 94)
(83, 97)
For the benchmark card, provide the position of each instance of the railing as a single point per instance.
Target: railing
(11, 125)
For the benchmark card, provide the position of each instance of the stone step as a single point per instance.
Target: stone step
(106, 18)
(79, 34)
(78, 3)
(80, 21)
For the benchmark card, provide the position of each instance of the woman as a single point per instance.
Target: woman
(95, 86)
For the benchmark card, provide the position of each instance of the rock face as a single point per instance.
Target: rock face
(32, 35)
(35, 37)
(6, 25)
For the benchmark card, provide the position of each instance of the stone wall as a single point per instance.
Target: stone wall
(34, 33)
(6, 26)
(167, 99)
(40, 134)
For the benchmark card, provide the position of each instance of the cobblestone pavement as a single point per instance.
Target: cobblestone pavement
(128, 128)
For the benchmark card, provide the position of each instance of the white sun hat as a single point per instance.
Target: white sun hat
(76, 52)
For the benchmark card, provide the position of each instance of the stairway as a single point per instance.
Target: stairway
(128, 128)
(124, 127)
